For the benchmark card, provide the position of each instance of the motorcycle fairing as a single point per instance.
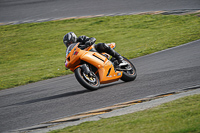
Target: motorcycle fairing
(105, 68)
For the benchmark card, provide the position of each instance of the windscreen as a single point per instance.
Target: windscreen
(69, 49)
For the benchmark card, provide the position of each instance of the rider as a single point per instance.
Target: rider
(85, 41)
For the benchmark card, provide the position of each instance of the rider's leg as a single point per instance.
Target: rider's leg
(102, 47)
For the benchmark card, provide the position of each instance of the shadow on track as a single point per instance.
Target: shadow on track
(68, 94)
(73, 93)
(110, 85)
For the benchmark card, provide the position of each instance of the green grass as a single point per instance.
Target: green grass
(179, 116)
(33, 52)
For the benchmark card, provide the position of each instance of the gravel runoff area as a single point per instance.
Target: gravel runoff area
(117, 112)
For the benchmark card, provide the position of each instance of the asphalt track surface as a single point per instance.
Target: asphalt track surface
(165, 71)
(161, 72)
(41, 10)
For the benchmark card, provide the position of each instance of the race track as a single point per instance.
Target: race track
(17, 11)
(162, 72)
(170, 70)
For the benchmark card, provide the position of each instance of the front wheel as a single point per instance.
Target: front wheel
(89, 82)
(129, 72)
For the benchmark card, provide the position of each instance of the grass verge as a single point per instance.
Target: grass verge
(179, 116)
(34, 51)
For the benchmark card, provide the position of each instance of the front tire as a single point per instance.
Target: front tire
(90, 83)
(129, 75)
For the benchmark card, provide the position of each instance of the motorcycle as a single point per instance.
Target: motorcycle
(92, 68)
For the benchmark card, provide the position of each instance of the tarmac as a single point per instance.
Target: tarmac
(164, 12)
(115, 110)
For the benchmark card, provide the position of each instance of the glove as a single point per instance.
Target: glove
(90, 42)
(93, 40)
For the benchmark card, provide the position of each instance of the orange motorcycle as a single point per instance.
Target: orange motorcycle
(92, 68)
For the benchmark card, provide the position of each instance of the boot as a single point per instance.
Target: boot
(116, 55)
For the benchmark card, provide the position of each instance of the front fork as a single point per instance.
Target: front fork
(87, 74)
(85, 69)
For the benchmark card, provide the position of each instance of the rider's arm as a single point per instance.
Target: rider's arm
(86, 41)
(82, 39)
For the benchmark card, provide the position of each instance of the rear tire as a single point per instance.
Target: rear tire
(90, 83)
(129, 75)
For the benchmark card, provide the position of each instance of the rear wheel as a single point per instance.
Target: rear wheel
(129, 72)
(89, 81)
